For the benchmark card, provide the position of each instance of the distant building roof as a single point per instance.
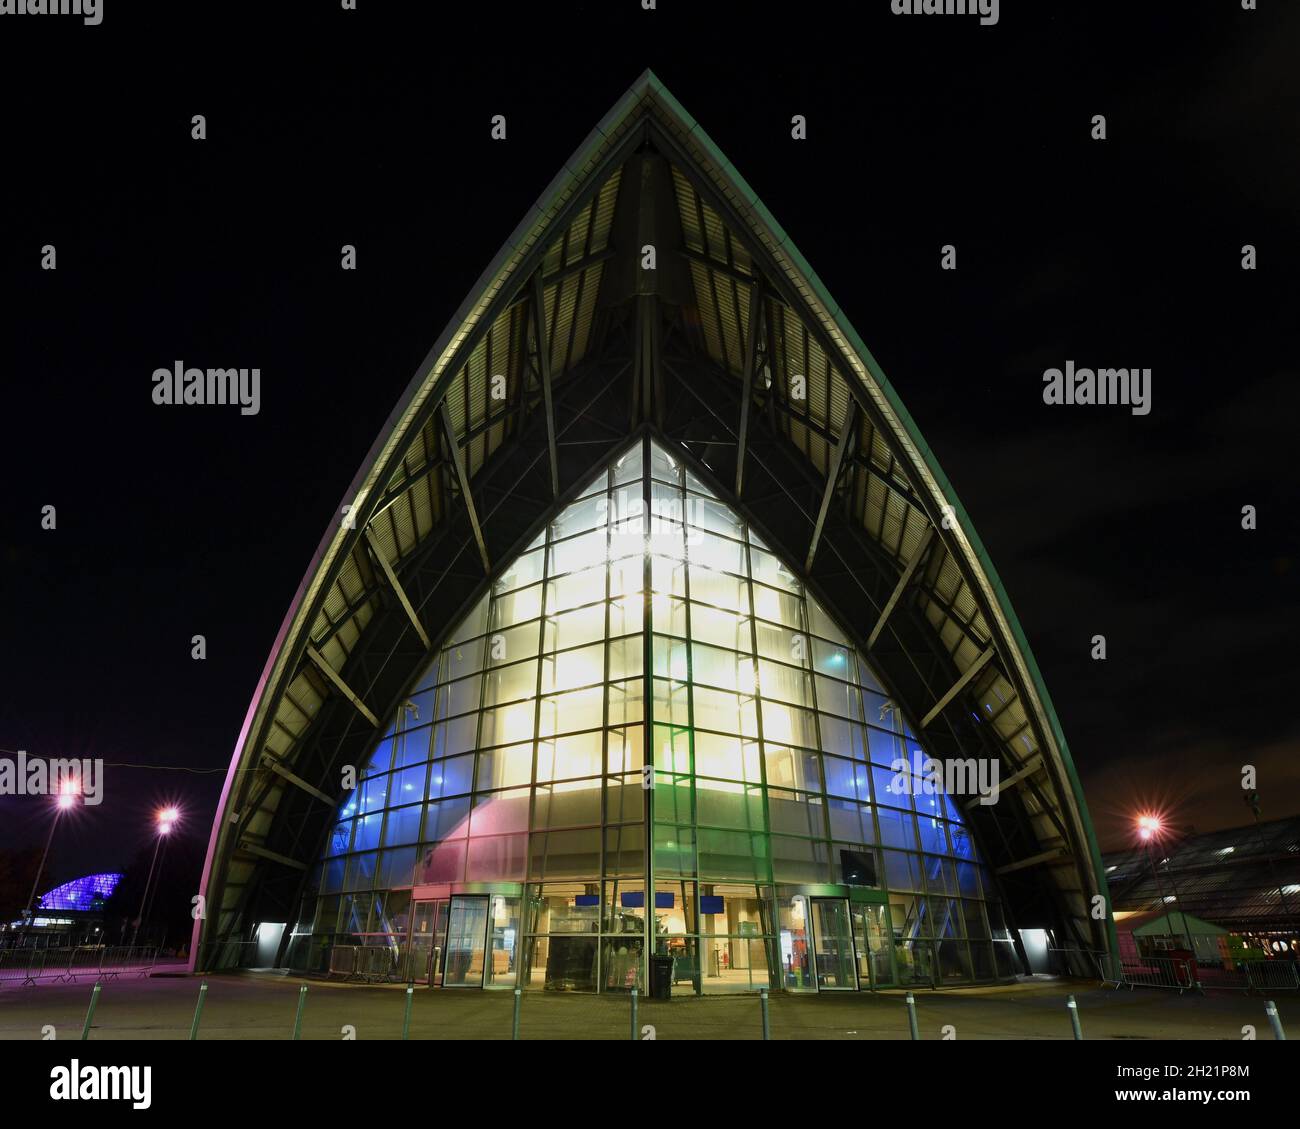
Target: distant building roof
(81, 893)
(1164, 924)
(1242, 878)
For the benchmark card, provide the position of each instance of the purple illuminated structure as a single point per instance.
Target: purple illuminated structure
(81, 893)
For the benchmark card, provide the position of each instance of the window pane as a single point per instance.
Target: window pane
(799, 860)
(570, 670)
(727, 592)
(499, 858)
(508, 684)
(564, 758)
(499, 813)
(896, 829)
(508, 725)
(575, 804)
(574, 628)
(403, 825)
(725, 804)
(720, 628)
(795, 813)
(451, 777)
(781, 608)
(792, 768)
(446, 819)
(504, 767)
(525, 570)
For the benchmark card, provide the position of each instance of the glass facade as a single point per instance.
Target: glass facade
(648, 738)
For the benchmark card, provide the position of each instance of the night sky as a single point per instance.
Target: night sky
(372, 128)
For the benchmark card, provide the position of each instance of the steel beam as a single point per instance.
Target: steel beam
(462, 479)
(1032, 765)
(958, 686)
(397, 588)
(832, 481)
(918, 558)
(343, 688)
(262, 852)
(297, 781)
(1055, 854)
(746, 393)
(544, 368)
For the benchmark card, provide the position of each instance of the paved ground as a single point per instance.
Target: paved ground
(262, 1006)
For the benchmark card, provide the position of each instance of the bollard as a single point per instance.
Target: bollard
(406, 1018)
(198, 1011)
(1275, 1020)
(297, 1019)
(519, 1003)
(90, 1012)
(911, 1016)
(767, 1022)
(634, 1024)
(1074, 1017)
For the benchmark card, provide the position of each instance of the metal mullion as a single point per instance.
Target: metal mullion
(604, 733)
(809, 672)
(772, 944)
(690, 713)
(537, 722)
(647, 677)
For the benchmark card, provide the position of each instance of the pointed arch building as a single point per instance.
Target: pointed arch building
(631, 618)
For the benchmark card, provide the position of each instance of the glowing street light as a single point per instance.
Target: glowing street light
(68, 794)
(166, 819)
(1151, 827)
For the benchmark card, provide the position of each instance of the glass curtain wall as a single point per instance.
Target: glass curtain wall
(655, 773)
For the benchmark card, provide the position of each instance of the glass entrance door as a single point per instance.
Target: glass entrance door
(428, 942)
(833, 959)
(872, 947)
(467, 924)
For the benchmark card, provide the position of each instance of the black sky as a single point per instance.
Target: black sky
(371, 127)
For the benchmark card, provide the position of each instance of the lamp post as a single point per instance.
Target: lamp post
(1252, 802)
(68, 793)
(166, 820)
(1151, 827)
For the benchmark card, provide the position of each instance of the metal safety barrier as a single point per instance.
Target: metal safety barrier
(1160, 972)
(21, 966)
(343, 961)
(64, 966)
(1181, 974)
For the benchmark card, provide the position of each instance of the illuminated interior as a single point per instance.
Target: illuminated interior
(498, 834)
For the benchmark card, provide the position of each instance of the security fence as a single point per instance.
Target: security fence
(68, 965)
(1184, 974)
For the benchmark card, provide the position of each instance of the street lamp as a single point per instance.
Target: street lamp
(1151, 827)
(166, 819)
(67, 796)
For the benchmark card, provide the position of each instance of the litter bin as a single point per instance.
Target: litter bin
(661, 977)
